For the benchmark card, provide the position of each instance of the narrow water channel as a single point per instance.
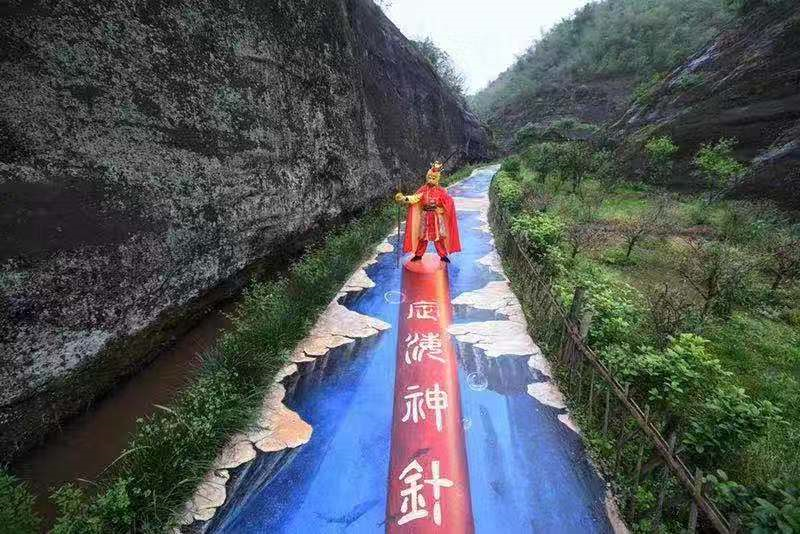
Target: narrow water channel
(89, 443)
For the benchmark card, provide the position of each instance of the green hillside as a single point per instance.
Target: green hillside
(628, 40)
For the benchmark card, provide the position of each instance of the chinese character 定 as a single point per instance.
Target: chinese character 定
(423, 309)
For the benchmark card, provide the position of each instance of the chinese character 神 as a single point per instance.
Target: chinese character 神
(423, 309)
(416, 401)
(436, 400)
(413, 506)
(420, 345)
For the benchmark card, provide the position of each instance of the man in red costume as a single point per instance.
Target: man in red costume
(431, 217)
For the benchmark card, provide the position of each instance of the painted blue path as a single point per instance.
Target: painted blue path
(528, 472)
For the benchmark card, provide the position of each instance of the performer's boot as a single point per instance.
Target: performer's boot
(442, 250)
(422, 246)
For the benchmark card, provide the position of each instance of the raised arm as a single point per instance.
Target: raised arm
(400, 198)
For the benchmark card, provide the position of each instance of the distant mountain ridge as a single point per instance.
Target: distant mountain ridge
(587, 67)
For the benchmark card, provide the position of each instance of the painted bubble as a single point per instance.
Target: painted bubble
(394, 297)
(477, 381)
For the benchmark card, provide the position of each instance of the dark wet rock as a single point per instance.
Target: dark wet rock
(540, 116)
(745, 85)
(153, 153)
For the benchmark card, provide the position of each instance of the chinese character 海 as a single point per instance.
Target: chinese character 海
(423, 309)
(413, 506)
(420, 345)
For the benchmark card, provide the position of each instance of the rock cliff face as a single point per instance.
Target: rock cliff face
(152, 153)
(745, 85)
(591, 103)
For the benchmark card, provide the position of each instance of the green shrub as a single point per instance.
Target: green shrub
(509, 192)
(644, 93)
(696, 212)
(661, 150)
(110, 512)
(615, 307)
(540, 234)
(541, 158)
(16, 506)
(674, 379)
(773, 509)
(779, 514)
(688, 384)
(511, 166)
(726, 422)
(717, 164)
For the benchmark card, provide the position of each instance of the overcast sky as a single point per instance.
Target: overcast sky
(482, 36)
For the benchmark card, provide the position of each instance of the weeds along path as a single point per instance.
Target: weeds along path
(516, 459)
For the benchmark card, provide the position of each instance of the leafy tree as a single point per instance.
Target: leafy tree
(636, 228)
(718, 166)
(783, 260)
(717, 272)
(743, 7)
(574, 163)
(660, 153)
(541, 158)
(668, 311)
(442, 63)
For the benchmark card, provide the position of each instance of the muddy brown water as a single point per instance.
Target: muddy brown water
(86, 445)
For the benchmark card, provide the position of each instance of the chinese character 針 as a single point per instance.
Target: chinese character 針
(423, 309)
(420, 345)
(414, 505)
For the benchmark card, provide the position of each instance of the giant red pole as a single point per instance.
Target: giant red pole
(428, 478)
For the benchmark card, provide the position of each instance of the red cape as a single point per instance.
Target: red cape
(452, 241)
